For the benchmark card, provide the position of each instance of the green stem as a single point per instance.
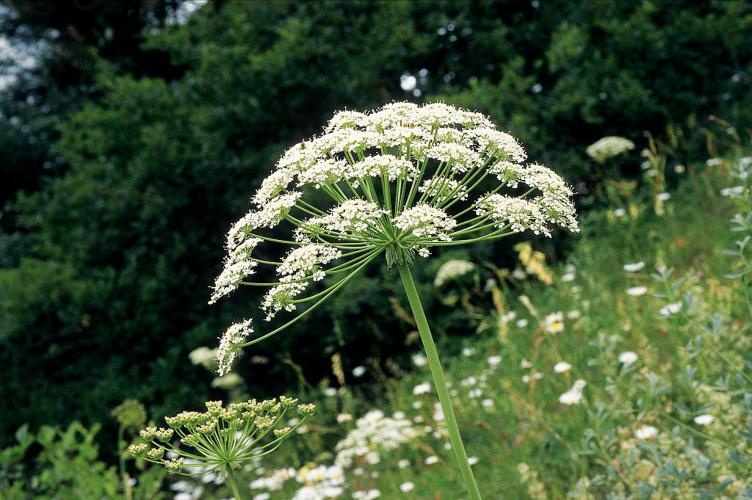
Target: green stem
(438, 377)
(234, 484)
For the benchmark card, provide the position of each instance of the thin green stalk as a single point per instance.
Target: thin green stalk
(438, 377)
(234, 484)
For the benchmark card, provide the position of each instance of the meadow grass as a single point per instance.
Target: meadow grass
(633, 430)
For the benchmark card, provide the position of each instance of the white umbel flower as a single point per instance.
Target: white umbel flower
(451, 270)
(391, 183)
(608, 147)
(227, 350)
(425, 222)
(352, 216)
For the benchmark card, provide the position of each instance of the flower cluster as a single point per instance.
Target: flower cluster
(608, 147)
(374, 432)
(395, 182)
(227, 350)
(451, 270)
(219, 440)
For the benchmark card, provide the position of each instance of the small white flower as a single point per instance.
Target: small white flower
(487, 403)
(343, 417)
(468, 351)
(704, 419)
(423, 388)
(636, 291)
(330, 392)
(663, 196)
(562, 367)
(554, 323)
(627, 358)
(732, 192)
(646, 432)
(472, 460)
(407, 487)
(634, 267)
(567, 277)
(494, 360)
(608, 147)
(525, 364)
(713, 162)
(359, 371)
(574, 395)
(451, 270)
(620, 212)
(431, 460)
(402, 464)
(419, 360)
(521, 323)
(670, 309)
(573, 314)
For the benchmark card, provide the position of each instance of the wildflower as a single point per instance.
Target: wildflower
(407, 487)
(343, 418)
(704, 419)
(574, 314)
(203, 356)
(554, 323)
(713, 162)
(620, 212)
(386, 184)
(472, 460)
(359, 371)
(670, 309)
(451, 270)
(220, 439)
(423, 388)
(627, 358)
(487, 403)
(732, 192)
(562, 367)
(402, 464)
(438, 413)
(129, 414)
(608, 147)
(228, 344)
(574, 395)
(634, 267)
(366, 495)
(494, 360)
(419, 360)
(521, 323)
(663, 196)
(374, 432)
(636, 291)
(646, 432)
(433, 459)
(468, 351)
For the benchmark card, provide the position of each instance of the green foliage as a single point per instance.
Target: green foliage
(56, 463)
(120, 250)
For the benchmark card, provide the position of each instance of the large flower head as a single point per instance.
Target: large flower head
(221, 439)
(397, 181)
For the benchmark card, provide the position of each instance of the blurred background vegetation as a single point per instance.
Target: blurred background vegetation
(134, 132)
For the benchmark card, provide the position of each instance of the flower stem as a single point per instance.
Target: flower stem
(234, 484)
(438, 377)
